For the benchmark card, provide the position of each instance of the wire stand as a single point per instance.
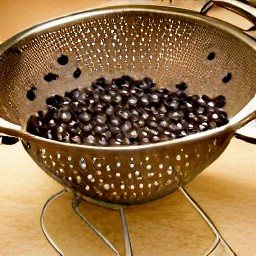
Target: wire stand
(218, 238)
(219, 242)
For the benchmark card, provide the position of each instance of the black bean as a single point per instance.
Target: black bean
(117, 99)
(123, 113)
(126, 112)
(85, 116)
(101, 141)
(128, 80)
(65, 115)
(50, 77)
(100, 128)
(75, 106)
(119, 82)
(126, 126)
(76, 139)
(89, 140)
(134, 118)
(211, 56)
(227, 78)
(132, 100)
(115, 121)
(109, 110)
(164, 123)
(205, 98)
(220, 101)
(105, 98)
(54, 100)
(86, 127)
(63, 59)
(147, 83)
(181, 86)
(100, 118)
(31, 93)
(77, 73)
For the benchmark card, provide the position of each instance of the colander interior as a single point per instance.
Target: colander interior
(169, 45)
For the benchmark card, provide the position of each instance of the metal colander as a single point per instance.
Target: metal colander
(167, 44)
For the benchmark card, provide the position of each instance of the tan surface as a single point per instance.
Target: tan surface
(169, 226)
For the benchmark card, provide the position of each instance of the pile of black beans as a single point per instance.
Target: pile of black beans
(125, 111)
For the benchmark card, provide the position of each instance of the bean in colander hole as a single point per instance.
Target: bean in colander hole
(125, 111)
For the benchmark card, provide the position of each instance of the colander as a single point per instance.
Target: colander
(169, 45)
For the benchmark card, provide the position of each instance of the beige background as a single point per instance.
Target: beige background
(169, 226)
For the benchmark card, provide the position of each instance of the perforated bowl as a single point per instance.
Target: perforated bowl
(167, 44)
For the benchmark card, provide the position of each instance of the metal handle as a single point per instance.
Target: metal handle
(245, 10)
(7, 128)
(247, 114)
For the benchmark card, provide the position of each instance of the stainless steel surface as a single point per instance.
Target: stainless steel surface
(243, 9)
(170, 45)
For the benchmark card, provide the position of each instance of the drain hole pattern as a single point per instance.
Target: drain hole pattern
(135, 179)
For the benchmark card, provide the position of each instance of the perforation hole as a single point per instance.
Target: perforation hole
(82, 163)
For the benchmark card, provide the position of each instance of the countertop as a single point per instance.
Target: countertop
(168, 226)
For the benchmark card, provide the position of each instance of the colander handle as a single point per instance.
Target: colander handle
(7, 128)
(246, 10)
(247, 114)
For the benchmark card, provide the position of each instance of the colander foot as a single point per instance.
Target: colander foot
(75, 203)
(46, 234)
(219, 243)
